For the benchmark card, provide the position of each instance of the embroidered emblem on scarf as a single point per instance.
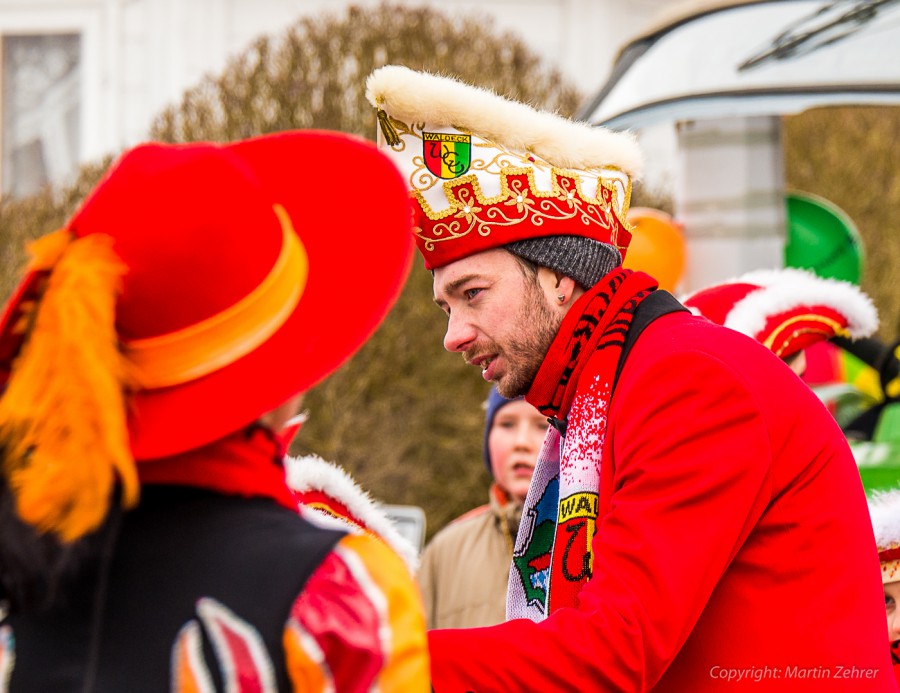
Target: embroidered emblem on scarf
(552, 558)
(531, 566)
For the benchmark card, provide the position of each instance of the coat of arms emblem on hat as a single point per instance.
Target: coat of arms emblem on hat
(447, 155)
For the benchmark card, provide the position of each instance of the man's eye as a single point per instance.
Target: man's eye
(888, 602)
(471, 293)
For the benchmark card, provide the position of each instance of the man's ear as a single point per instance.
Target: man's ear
(568, 289)
(559, 288)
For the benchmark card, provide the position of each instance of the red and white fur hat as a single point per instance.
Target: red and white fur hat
(884, 508)
(788, 309)
(485, 171)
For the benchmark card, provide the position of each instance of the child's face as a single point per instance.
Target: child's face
(891, 602)
(514, 442)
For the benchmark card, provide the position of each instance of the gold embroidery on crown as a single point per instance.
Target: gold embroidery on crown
(471, 210)
(505, 159)
(513, 205)
(420, 178)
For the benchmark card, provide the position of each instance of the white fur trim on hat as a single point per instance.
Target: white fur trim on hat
(793, 287)
(412, 96)
(785, 289)
(884, 509)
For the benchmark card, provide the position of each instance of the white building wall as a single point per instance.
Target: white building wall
(733, 223)
(139, 56)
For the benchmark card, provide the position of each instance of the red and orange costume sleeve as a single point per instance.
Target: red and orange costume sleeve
(358, 625)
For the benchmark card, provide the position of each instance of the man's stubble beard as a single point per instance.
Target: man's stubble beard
(539, 325)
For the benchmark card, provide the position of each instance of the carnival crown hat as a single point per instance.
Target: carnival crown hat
(884, 509)
(196, 288)
(787, 310)
(486, 172)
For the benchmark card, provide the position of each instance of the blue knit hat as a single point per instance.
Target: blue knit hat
(494, 403)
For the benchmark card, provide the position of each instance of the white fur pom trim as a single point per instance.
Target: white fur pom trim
(418, 97)
(312, 473)
(788, 288)
(884, 509)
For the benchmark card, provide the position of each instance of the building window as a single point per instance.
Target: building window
(41, 101)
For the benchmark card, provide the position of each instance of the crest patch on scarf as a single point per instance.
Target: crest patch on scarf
(532, 564)
(575, 531)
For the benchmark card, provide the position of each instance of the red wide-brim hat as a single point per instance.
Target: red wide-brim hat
(252, 270)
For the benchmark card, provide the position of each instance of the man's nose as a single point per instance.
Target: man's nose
(460, 334)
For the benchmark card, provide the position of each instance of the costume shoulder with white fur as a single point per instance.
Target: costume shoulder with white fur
(329, 496)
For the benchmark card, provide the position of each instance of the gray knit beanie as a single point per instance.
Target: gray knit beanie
(583, 259)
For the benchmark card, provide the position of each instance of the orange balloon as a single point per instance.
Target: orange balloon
(657, 246)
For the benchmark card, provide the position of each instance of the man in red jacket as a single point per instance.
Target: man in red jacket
(696, 520)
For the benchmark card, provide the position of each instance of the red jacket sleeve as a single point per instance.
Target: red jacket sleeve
(689, 465)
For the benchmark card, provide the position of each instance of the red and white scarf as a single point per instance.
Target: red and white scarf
(552, 559)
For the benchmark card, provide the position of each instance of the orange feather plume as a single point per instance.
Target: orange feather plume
(63, 415)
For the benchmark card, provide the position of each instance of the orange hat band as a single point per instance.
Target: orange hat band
(205, 347)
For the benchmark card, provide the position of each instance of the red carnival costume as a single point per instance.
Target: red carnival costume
(696, 520)
(149, 539)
